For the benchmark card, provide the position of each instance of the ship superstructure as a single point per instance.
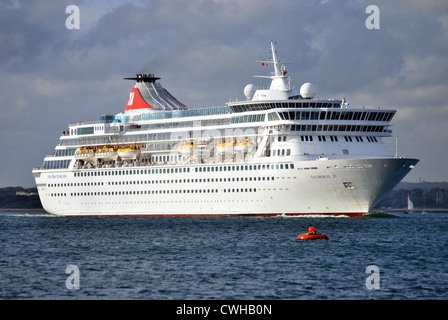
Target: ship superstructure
(277, 152)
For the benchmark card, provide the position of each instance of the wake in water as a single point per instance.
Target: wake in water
(320, 216)
(379, 215)
(27, 214)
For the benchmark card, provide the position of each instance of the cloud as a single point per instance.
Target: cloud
(205, 53)
(429, 6)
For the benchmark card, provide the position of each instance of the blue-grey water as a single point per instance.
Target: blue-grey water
(189, 258)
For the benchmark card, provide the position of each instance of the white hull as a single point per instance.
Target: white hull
(329, 187)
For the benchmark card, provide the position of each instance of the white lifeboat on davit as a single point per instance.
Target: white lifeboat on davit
(129, 152)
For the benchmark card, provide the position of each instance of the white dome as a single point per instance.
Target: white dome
(249, 91)
(308, 90)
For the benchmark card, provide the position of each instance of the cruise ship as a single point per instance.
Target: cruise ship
(281, 151)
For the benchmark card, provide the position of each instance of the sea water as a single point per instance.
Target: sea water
(380, 256)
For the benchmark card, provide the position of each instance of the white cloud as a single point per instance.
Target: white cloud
(205, 53)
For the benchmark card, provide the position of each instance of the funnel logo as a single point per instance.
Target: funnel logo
(131, 99)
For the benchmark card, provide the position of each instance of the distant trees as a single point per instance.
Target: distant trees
(432, 198)
(16, 198)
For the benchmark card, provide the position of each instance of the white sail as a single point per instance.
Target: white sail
(410, 205)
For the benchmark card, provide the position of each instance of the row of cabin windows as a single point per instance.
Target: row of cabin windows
(238, 179)
(248, 118)
(360, 139)
(335, 138)
(165, 158)
(272, 105)
(323, 138)
(91, 184)
(56, 164)
(331, 127)
(277, 152)
(64, 152)
(177, 191)
(279, 138)
(280, 166)
(337, 115)
(100, 183)
(131, 172)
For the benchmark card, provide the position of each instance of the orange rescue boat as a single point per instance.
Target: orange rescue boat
(312, 234)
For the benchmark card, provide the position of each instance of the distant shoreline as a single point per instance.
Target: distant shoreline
(24, 209)
(418, 210)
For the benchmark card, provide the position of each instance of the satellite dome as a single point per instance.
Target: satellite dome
(249, 91)
(308, 90)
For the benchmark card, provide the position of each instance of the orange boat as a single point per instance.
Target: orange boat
(307, 236)
(312, 234)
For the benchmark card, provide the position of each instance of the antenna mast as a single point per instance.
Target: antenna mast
(274, 60)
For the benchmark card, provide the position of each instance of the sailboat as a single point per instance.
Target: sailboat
(410, 207)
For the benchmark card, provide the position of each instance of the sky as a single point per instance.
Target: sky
(205, 52)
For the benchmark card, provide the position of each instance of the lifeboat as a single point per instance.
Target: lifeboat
(186, 149)
(129, 152)
(107, 153)
(86, 154)
(244, 146)
(225, 147)
(308, 236)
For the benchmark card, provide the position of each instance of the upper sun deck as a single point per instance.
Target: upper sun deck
(244, 106)
(151, 106)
